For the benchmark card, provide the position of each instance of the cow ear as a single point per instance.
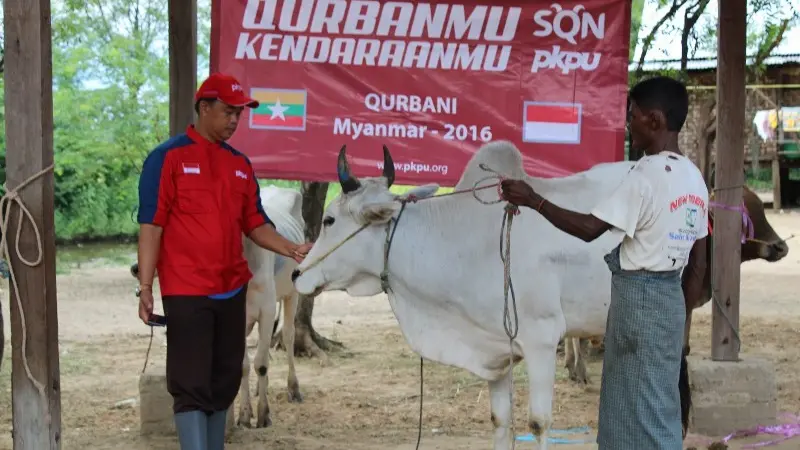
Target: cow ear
(378, 212)
(420, 192)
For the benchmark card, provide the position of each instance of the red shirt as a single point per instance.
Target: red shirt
(204, 195)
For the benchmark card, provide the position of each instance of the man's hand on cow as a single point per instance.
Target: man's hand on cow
(518, 192)
(145, 304)
(299, 253)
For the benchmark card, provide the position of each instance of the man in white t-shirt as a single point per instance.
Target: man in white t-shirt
(662, 207)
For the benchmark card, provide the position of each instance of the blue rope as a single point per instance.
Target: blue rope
(554, 440)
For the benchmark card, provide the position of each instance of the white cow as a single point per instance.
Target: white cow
(271, 283)
(446, 276)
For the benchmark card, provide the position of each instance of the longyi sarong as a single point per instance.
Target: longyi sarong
(639, 398)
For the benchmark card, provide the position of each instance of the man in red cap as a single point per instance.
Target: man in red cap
(197, 195)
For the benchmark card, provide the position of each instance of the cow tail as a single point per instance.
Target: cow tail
(277, 319)
(686, 393)
(275, 325)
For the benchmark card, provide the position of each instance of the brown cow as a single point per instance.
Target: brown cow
(765, 244)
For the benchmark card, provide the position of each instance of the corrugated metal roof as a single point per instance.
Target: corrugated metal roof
(699, 64)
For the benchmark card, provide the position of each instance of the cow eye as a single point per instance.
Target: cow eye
(327, 221)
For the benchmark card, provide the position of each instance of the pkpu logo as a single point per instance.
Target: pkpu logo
(236, 87)
(241, 174)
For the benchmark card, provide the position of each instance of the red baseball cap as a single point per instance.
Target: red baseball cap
(226, 89)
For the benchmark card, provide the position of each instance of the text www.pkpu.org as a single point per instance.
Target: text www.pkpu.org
(417, 167)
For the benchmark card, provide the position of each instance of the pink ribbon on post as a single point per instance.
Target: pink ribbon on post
(747, 223)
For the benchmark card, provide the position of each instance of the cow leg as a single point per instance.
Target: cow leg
(245, 409)
(266, 320)
(539, 344)
(568, 355)
(499, 394)
(289, 311)
(577, 367)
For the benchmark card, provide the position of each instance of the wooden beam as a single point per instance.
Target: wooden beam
(182, 63)
(29, 143)
(731, 46)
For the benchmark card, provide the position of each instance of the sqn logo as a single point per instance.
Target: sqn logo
(573, 26)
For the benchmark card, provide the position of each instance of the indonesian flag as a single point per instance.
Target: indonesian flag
(193, 168)
(553, 123)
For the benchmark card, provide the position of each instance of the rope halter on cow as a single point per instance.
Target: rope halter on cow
(350, 184)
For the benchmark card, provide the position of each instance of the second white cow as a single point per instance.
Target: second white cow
(271, 283)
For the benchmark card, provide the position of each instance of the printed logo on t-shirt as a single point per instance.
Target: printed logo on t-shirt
(691, 217)
(687, 199)
(691, 207)
(241, 174)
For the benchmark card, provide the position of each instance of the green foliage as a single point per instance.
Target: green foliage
(636, 23)
(110, 94)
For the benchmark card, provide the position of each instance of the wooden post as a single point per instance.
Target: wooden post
(729, 178)
(29, 144)
(777, 173)
(777, 202)
(182, 63)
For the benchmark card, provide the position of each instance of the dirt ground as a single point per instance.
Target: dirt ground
(367, 396)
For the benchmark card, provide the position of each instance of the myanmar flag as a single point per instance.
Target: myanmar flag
(281, 109)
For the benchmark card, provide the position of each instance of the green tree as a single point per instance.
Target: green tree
(110, 80)
(697, 28)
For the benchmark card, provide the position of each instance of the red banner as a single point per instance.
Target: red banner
(432, 81)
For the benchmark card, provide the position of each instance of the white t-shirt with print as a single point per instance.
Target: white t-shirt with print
(662, 207)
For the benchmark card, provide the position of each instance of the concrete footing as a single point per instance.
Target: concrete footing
(155, 405)
(729, 396)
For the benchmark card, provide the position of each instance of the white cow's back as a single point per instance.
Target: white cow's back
(585, 280)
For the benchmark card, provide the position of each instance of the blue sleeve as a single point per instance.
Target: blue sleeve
(156, 189)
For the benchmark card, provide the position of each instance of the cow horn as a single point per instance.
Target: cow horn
(388, 166)
(348, 182)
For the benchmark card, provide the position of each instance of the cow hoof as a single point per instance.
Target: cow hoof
(245, 414)
(264, 422)
(579, 378)
(295, 397)
(243, 421)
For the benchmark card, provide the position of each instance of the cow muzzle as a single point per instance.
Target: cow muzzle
(295, 274)
(777, 251)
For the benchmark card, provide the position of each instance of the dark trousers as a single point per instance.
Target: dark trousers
(205, 350)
